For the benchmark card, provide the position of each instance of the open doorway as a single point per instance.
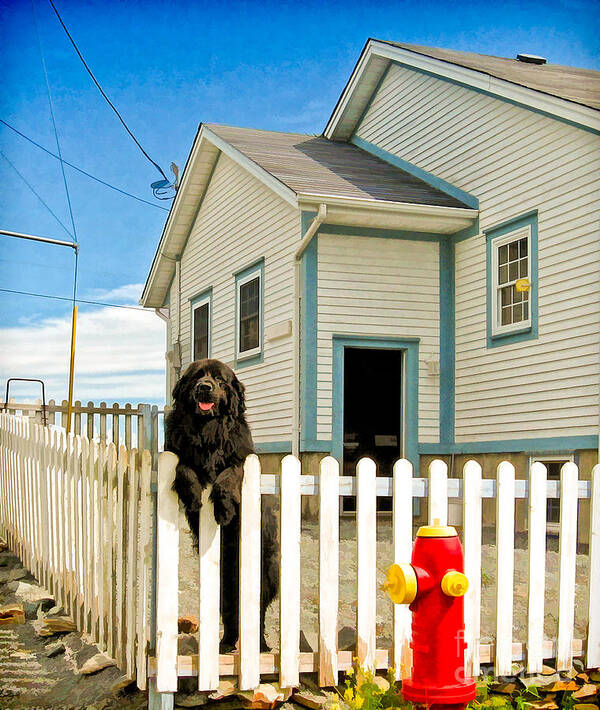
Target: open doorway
(372, 412)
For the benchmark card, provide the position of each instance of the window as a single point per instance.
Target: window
(201, 315)
(249, 313)
(512, 281)
(553, 466)
(511, 269)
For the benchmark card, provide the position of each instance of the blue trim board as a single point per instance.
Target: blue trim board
(467, 232)
(308, 338)
(410, 413)
(555, 444)
(429, 178)
(447, 340)
(499, 230)
(496, 96)
(273, 447)
(206, 294)
(257, 265)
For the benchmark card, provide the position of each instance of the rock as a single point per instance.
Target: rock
(3, 545)
(13, 614)
(187, 624)
(191, 700)
(187, 645)
(225, 689)
(54, 649)
(96, 663)
(51, 625)
(123, 685)
(504, 688)
(595, 676)
(585, 706)
(308, 699)
(586, 691)
(7, 559)
(10, 575)
(266, 697)
(563, 685)
(34, 593)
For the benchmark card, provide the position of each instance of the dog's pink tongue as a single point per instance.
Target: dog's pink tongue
(206, 406)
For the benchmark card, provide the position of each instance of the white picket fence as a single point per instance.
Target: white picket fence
(78, 513)
(249, 664)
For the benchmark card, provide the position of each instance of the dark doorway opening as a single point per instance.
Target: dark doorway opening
(372, 412)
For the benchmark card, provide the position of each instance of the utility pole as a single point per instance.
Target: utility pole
(73, 245)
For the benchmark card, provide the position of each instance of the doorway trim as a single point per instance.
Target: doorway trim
(409, 395)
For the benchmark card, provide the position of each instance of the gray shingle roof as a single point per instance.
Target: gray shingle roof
(582, 86)
(310, 164)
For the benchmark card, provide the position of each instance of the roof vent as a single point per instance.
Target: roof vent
(531, 59)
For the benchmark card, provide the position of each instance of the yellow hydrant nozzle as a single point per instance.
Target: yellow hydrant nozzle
(454, 584)
(401, 584)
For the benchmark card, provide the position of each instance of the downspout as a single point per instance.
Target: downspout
(309, 234)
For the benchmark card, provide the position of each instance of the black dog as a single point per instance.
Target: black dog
(207, 430)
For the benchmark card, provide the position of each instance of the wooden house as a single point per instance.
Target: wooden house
(420, 280)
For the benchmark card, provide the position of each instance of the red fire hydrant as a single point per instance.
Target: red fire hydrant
(434, 586)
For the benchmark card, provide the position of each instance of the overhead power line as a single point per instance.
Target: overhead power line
(80, 170)
(108, 101)
(78, 300)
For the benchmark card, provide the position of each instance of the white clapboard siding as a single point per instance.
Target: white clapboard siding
(209, 539)
(240, 221)
(505, 548)
(395, 293)
(289, 588)
(366, 567)
(536, 567)
(250, 566)
(567, 562)
(472, 524)
(514, 160)
(593, 643)
(438, 493)
(329, 550)
(167, 568)
(402, 514)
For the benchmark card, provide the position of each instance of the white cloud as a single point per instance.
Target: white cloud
(130, 293)
(119, 354)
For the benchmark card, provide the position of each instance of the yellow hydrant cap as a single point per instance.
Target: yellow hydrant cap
(436, 531)
(401, 584)
(454, 584)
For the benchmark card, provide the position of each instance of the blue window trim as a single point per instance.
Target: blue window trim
(548, 445)
(529, 219)
(239, 362)
(205, 295)
(410, 404)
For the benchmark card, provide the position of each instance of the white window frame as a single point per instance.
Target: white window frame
(496, 243)
(255, 273)
(202, 302)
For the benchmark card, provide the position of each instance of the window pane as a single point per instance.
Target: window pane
(517, 296)
(523, 268)
(503, 275)
(513, 251)
(503, 254)
(526, 310)
(201, 332)
(513, 271)
(505, 296)
(506, 315)
(517, 313)
(249, 315)
(523, 247)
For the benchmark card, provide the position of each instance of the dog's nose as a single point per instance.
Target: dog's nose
(205, 387)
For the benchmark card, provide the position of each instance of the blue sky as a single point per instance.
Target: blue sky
(167, 66)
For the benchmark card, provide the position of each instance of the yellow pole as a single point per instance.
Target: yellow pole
(71, 369)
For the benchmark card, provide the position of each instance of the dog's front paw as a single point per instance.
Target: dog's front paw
(224, 506)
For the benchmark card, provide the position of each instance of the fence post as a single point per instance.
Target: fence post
(329, 549)
(402, 536)
(167, 576)
(366, 541)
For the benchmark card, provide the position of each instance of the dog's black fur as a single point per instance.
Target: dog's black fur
(207, 429)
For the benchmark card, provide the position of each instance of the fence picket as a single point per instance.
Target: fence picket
(250, 566)
(536, 566)
(144, 563)
(121, 557)
(166, 575)
(505, 544)
(289, 593)
(100, 566)
(109, 558)
(90, 421)
(131, 576)
(402, 514)
(438, 493)
(567, 561)
(593, 642)
(209, 539)
(329, 534)
(472, 524)
(366, 540)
